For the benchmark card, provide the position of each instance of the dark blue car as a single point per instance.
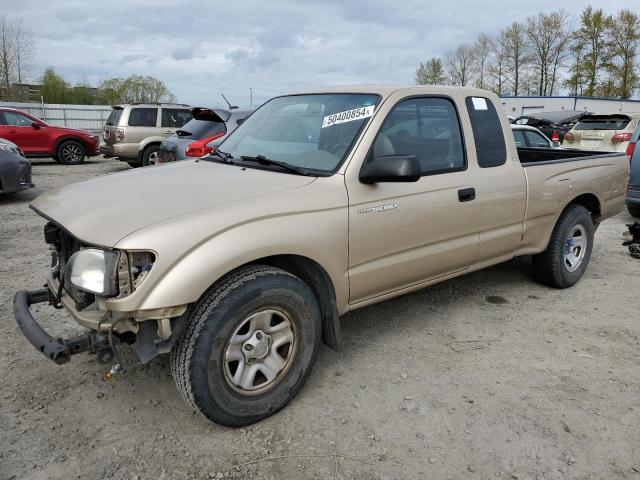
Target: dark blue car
(633, 194)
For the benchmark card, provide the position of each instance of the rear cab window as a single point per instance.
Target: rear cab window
(487, 132)
(143, 117)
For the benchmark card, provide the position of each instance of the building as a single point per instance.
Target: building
(516, 106)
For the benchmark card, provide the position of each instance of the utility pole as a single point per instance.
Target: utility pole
(250, 97)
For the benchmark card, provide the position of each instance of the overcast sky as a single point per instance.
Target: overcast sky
(202, 48)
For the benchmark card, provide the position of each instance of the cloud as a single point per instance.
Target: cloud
(272, 47)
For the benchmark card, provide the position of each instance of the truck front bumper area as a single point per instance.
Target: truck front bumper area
(57, 350)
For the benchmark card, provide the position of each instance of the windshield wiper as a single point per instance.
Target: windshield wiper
(226, 157)
(262, 160)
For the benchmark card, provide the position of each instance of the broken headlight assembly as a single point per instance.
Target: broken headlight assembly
(108, 273)
(93, 270)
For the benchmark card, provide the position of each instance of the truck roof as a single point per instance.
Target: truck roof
(386, 90)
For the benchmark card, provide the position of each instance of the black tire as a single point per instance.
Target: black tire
(634, 209)
(150, 150)
(134, 164)
(197, 358)
(71, 152)
(550, 267)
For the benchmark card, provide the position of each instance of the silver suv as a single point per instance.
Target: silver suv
(134, 131)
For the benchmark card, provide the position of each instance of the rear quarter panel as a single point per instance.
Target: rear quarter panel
(554, 185)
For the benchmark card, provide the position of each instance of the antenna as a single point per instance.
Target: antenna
(231, 107)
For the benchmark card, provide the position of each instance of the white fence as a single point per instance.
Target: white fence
(86, 117)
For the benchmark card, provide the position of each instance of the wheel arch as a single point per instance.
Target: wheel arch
(591, 203)
(146, 143)
(66, 138)
(319, 281)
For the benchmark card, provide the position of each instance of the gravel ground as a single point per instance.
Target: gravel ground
(486, 376)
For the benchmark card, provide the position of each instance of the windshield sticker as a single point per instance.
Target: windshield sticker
(348, 116)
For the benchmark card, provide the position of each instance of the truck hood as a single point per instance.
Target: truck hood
(104, 210)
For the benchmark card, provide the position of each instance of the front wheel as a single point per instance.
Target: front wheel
(566, 258)
(71, 152)
(249, 346)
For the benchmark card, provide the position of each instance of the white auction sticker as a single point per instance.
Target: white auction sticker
(348, 116)
(479, 103)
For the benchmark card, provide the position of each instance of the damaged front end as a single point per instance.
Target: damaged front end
(83, 279)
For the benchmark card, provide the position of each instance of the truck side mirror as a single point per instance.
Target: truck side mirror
(391, 168)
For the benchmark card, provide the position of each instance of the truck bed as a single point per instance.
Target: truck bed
(541, 156)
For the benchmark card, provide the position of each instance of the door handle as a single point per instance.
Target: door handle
(168, 132)
(467, 194)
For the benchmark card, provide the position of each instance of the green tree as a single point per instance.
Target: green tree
(54, 89)
(135, 88)
(624, 37)
(430, 73)
(593, 35)
(517, 55)
(82, 93)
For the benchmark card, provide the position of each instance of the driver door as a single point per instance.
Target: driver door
(405, 234)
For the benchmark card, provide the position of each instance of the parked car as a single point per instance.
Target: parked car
(200, 134)
(38, 139)
(554, 125)
(15, 169)
(526, 136)
(133, 132)
(633, 193)
(321, 202)
(602, 133)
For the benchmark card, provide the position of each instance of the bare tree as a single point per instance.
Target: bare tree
(460, 65)
(6, 54)
(24, 46)
(481, 53)
(497, 66)
(624, 35)
(517, 55)
(547, 34)
(576, 83)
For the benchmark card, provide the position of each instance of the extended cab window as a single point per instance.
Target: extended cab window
(427, 128)
(519, 138)
(143, 117)
(174, 117)
(487, 132)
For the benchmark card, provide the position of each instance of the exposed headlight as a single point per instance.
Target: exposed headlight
(93, 270)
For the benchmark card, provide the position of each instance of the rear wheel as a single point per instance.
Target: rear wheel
(634, 209)
(150, 155)
(71, 152)
(249, 347)
(566, 258)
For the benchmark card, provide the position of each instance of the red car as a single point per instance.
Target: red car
(37, 139)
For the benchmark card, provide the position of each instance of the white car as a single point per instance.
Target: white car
(531, 137)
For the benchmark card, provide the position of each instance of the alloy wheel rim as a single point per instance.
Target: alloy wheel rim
(153, 158)
(72, 153)
(260, 351)
(575, 248)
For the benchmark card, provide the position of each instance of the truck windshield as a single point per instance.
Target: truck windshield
(314, 132)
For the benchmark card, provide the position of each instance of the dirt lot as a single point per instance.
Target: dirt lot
(486, 376)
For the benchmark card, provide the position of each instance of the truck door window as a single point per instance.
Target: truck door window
(487, 132)
(143, 117)
(427, 128)
(174, 117)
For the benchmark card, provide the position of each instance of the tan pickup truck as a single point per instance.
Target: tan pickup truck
(240, 263)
